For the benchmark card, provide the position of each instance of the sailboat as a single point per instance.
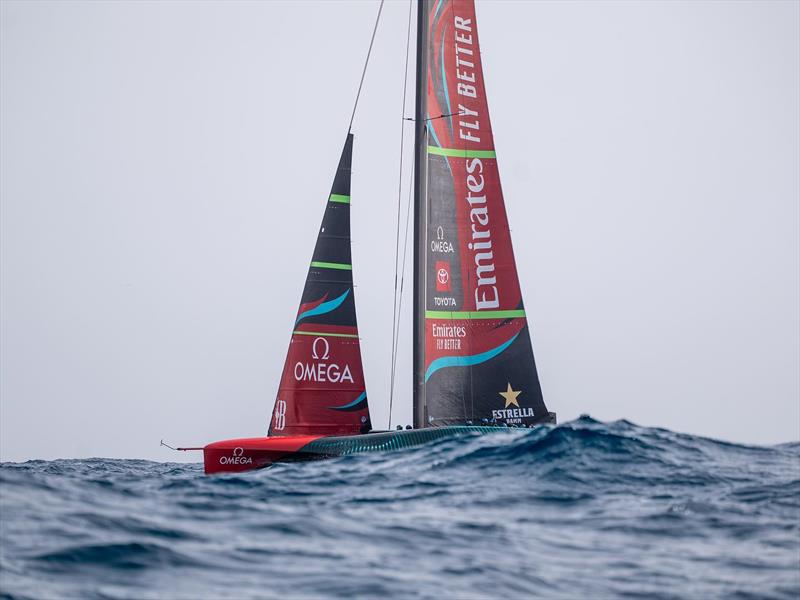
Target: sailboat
(473, 365)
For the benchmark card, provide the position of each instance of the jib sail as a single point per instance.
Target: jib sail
(473, 355)
(322, 387)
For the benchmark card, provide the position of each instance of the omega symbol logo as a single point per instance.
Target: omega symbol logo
(325, 346)
(440, 233)
(238, 451)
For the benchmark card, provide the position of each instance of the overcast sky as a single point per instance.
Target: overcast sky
(164, 167)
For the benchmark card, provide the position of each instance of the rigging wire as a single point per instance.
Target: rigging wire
(366, 62)
(395, 309)
(402, 285)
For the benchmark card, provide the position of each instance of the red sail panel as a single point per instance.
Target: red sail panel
(322, 390)
(478, 358)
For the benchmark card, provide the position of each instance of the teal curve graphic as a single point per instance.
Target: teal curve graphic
(467, 361)
(444, 83)
(323, 308)
(354, 405)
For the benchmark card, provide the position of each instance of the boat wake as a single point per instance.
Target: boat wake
(584, 508)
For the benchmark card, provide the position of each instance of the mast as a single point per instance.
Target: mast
(420, 224)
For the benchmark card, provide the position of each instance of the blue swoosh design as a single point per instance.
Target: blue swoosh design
(354, 405)
(436, 14)
(467, 361)
(444, 85)
(432, 132)
(323, 308)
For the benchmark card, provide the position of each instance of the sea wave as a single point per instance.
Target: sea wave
(581, 509)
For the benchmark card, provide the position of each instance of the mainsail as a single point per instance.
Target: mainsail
(322, 389)
(473, 355)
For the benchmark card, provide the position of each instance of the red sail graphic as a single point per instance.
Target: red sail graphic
(478, 359)
(322, 389)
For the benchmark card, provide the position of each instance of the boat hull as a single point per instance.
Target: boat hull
(245, 454)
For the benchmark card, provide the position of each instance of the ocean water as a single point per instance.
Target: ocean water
(582, 510)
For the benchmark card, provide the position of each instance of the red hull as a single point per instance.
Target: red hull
(246, 454)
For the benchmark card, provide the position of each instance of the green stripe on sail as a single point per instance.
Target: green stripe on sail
(461, 152)
(339, 198)
(327, 265)
(323, 334)
(481, 314)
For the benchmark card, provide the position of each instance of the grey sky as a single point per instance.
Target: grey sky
(164, 167)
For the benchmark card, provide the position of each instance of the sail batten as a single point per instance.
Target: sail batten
(473, 353)
(461, 152)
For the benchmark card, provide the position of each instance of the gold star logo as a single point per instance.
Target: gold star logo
(511, 396)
